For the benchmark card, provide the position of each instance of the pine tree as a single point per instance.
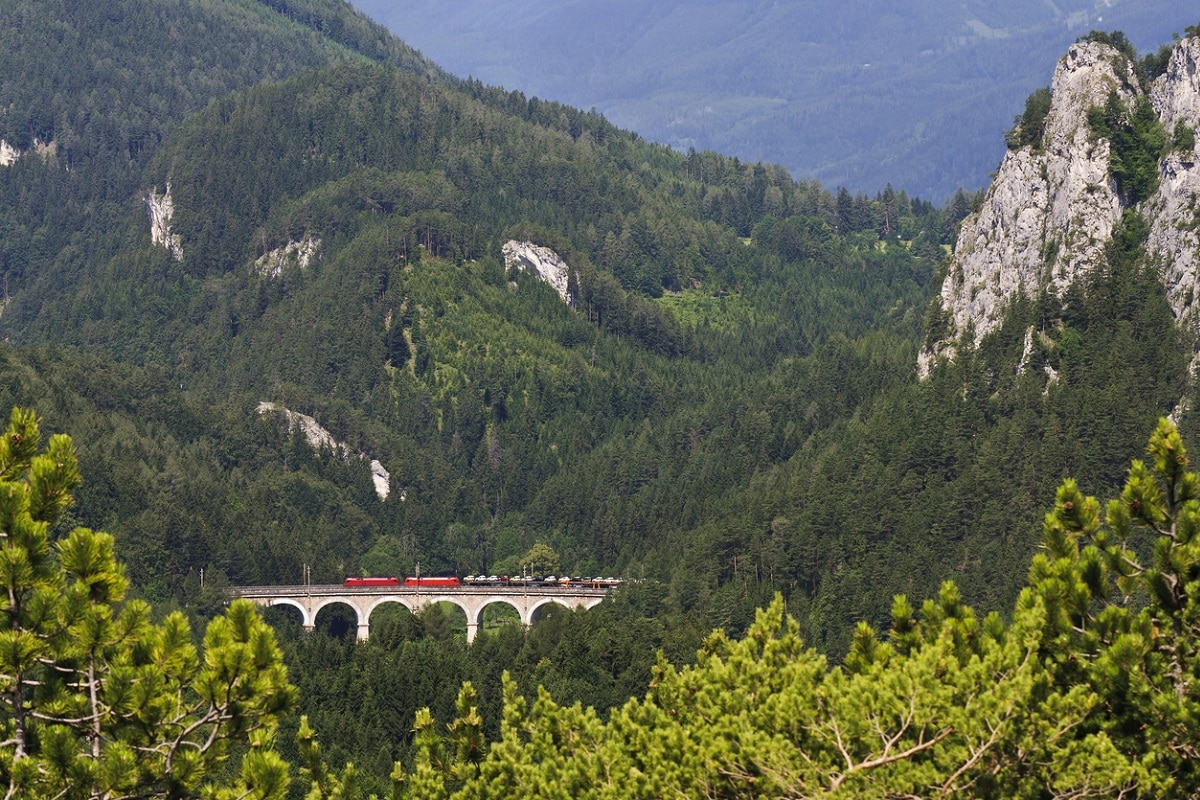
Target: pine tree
(1090, 690)
(97, 700)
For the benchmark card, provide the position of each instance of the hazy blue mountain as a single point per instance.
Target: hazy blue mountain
(858, 93)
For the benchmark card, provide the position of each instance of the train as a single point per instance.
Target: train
(483, 580)
(371, 582)
(434, 581)
(539, 580)
(413, 581)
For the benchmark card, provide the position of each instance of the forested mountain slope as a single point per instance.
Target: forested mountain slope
(728, 407)
(1088, 690)
(732, 384)
(409, 227)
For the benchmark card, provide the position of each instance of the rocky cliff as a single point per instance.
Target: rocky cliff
(298, 254)
(9, 154)
(1173, 213)
(542, 262)
(160, 208)
(1054, 203)
(318, 437)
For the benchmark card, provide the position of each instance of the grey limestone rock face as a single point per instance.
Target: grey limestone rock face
(10, 154)
(161, 209)
(317, 437)
(541, 261)
(300, 254)
(1173, 211)
(1176, 93)
(1051, 210)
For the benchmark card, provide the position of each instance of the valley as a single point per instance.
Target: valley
(313, 309)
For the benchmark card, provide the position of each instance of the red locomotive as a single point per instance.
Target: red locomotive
(422, 582)
(372, 582)
(432, 582)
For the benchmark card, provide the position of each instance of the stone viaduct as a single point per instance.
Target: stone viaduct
(310, 599)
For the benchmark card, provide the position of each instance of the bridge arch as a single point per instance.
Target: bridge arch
(475, 619)
(305, 619)
(384, 615)
(325, 603)
(542, 603)
(387, 599)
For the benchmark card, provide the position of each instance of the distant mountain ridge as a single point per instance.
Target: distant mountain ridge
(858, 94)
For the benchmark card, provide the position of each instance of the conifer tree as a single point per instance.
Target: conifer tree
(96, 699)
(1089, 691)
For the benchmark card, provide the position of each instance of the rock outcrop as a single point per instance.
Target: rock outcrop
(161, 208)
(318, 437)
(300, 254)
(8, 154)
(1052, 208)
(541, 261)
(1173, 212)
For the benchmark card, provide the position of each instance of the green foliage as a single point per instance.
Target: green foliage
(1089, 690)
(1137, 142)
(1152, 65)
(766, 717)
(364, 698)
(541, 560)
(1030, 127)
(1114, 39)
(1128, 240)
(99, 701)
(1184, 138)
(729, 408)
(1121, 584)
(938, 323)
(326, 784)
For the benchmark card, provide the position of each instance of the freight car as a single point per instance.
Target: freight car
(536, 581)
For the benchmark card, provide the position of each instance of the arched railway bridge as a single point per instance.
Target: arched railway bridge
(310, 599)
